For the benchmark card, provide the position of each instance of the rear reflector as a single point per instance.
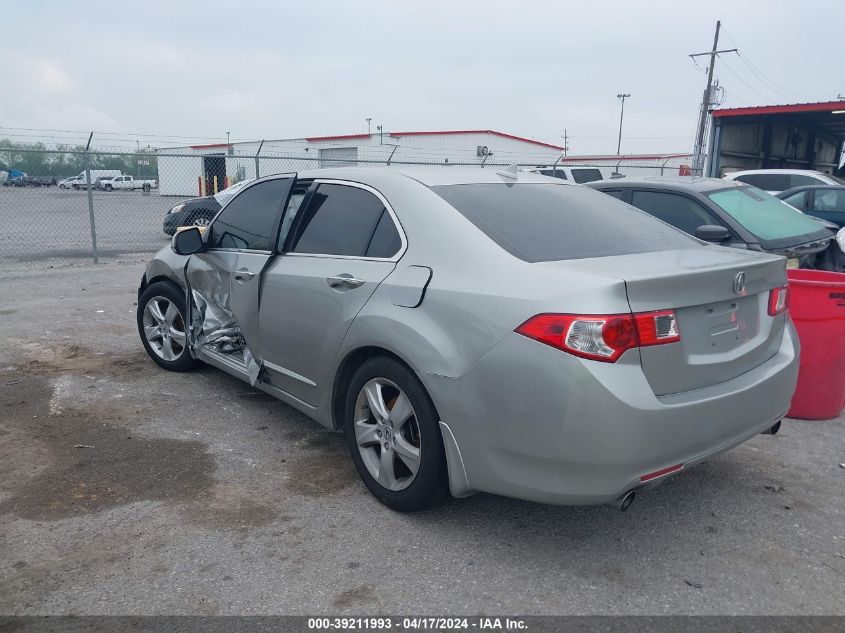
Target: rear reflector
(602, 337)
(662, 472)
(778, 300)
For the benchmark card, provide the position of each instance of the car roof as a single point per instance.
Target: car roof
(678, 183)
(430, 176)
(806, 172)
(789, 192)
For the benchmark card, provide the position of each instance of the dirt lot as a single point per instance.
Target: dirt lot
(126, 489)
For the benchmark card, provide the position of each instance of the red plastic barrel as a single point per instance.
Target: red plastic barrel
(817, 307)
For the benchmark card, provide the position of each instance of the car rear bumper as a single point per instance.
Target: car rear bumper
(534, 423)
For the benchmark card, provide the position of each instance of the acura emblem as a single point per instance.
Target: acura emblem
(739, 283)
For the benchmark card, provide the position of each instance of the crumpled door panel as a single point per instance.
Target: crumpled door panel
(222, 311)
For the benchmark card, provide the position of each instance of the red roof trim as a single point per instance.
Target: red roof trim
(570, 159)
(340, 137)
(825, 106)
(494, 132)
(211, 146)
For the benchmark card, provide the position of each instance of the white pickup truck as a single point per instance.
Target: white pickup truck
(126, 182)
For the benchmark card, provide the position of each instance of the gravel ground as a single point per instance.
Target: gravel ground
(125, 489)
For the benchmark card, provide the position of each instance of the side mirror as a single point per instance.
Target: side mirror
(712, 233)
(187, 242)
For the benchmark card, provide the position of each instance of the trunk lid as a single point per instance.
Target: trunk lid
(724, 325)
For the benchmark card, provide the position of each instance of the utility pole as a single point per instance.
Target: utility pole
(368, 120)
(622, 96)
(565, 142)
(705, 103)
(380, 135)
(227, 138)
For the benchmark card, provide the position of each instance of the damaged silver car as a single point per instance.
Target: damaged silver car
(472, 330)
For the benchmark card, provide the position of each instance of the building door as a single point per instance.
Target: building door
(214, 166)
(339, 157)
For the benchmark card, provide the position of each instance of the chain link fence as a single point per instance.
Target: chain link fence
(72, 205)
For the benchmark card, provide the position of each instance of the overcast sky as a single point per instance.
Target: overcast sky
(278, 69)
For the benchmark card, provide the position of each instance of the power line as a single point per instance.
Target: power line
(747, 85)
(765, 79)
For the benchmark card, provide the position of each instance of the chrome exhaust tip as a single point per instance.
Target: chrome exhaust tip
(624, 502)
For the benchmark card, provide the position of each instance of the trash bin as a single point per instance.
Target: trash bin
(817, 307)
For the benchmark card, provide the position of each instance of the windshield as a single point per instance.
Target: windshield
(224, 196)
(539, 222)
(762, 214)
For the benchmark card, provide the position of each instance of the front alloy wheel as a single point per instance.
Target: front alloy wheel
(161, 325)
(164, 328)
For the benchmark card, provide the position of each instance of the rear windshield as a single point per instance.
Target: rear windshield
(765, 216)
(546, 222)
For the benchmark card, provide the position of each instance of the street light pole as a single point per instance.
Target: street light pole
(622, 96)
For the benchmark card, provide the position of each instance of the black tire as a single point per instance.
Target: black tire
(430, 485)
(146, 188)
(184, 362)
(108, 188)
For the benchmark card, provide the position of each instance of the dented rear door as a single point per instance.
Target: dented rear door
(224, 282)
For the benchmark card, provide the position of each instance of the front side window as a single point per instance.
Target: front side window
(830, 200)
(549, 222)
(341, 220)
(762, 214)
(249, 220)
(679, 211)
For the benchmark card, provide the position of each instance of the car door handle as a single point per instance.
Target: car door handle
(244, 274)
(344, 281)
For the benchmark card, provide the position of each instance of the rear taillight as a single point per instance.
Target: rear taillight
(778, 300)
(602, 337)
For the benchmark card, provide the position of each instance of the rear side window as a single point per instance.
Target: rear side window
(555, 173)
(619, 194)
(768, 182)
(249, 220)
(547, 222)
(339, 220)
(679, 211)
(800, 180)
(586, 175)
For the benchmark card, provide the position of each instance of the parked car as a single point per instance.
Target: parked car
(199, 211)
(66, 183)
(487, 331)
(727, 213)
(580, 175)
(127, 183)
(81, 182)
(826, 202)
(776, 180)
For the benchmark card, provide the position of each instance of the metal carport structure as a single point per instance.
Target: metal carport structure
(795, 136)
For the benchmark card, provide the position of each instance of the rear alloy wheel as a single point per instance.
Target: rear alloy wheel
(201, 221)
(109, 187)
(393, 433)
(161, 324)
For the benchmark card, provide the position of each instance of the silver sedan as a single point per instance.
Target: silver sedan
(473, 330)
